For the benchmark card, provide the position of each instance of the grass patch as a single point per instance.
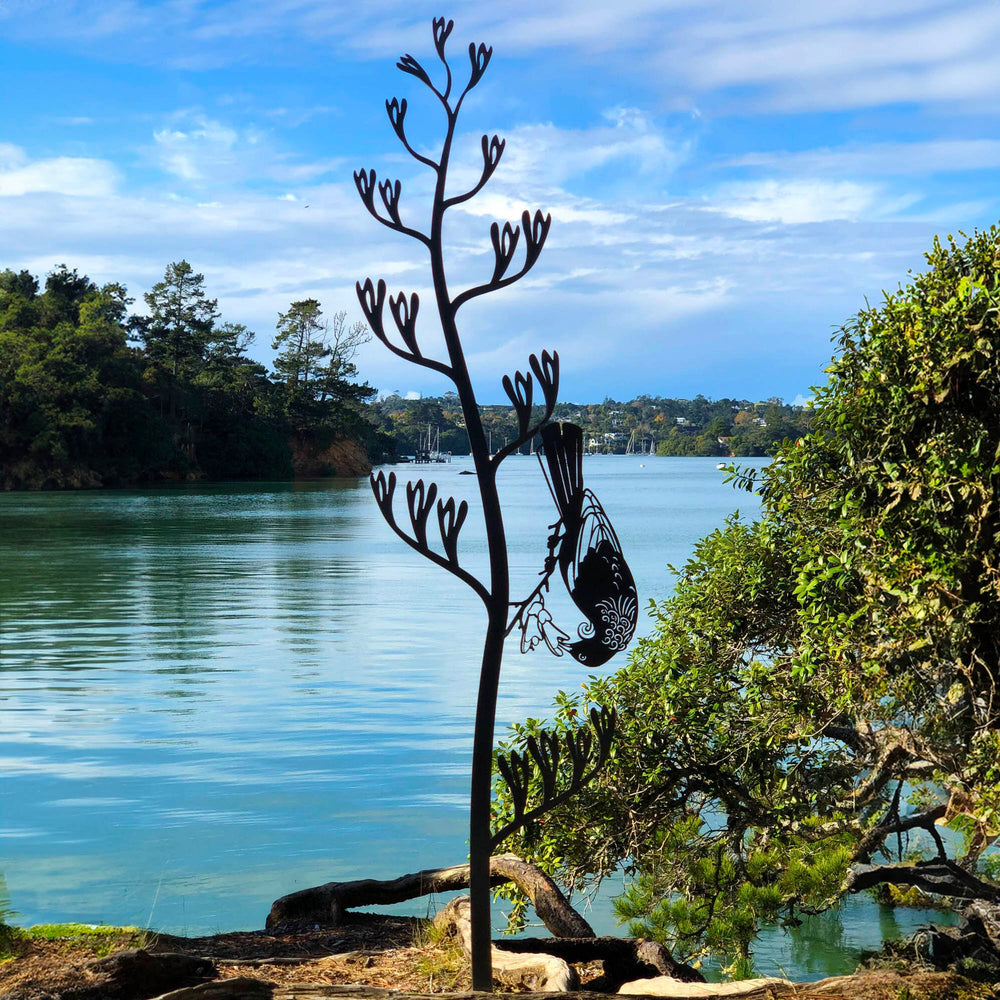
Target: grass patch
(440, 958)
(58, 932)
(100, 939)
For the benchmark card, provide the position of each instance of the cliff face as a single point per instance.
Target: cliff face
(311, 460)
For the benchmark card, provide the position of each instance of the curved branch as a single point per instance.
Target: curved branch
(603, 725)
(519, 442)
(372, 300)
(925, 820)
(384, 489)
(882, 772)
(325, 904)
(444, 563)
(480, 59)
(939, 876)
(492, 151)
(441, 29)
(535, 230)
(417, 359)
(365, 183)
(410, 65)
(547, 375)
(400, 228)
(396, 110)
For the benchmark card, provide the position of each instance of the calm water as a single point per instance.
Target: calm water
(214, 695)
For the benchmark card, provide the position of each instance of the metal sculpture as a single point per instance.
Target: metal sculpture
(589, 558)
(583, 544)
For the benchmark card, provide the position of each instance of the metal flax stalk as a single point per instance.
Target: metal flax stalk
(601, 587)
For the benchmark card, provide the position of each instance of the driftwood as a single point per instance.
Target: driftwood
(324, 905)
(747, 989)
(624, 959)
(520, 970)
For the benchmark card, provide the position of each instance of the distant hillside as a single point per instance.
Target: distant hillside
(648, 425)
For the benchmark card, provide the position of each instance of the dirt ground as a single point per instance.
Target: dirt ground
(373, 950)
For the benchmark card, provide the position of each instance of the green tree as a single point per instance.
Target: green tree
(71, 413)
(339, 392)
(820, 695)
(316, 365)
(65, 291)
(302, 344)
(181, 320)
(22, 283)
(300, 338)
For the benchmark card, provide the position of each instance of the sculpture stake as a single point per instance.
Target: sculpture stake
(583, 545)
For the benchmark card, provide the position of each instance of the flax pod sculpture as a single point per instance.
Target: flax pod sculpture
(582, 546)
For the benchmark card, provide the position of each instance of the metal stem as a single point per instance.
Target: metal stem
(480, 839)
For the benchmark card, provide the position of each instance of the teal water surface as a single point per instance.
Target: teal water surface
(212, 695)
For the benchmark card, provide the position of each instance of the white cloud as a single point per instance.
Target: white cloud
(539, 157)
(883, 158)
(204, 151)
(796, 201)
(642, 276)
(70, 175)
(792, 56)
(11, 156)
(789, 54)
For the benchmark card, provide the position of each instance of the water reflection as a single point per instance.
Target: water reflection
(213, 695)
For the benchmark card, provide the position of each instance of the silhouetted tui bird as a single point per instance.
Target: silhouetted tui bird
(588, 553)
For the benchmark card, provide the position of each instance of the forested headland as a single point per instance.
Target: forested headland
(96, 394)
(92, 394)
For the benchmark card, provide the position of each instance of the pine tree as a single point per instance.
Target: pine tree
(181, 321)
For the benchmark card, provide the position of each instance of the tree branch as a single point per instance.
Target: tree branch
(520, 391)
(925, 820)
(417, 359)
(546, 753)
(441, 29)
(881, 774)
(942, 877)
(325, 904)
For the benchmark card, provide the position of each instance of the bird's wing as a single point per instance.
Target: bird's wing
(597, 570)
(596, 532)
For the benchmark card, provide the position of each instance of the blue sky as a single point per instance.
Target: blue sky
(729, 180)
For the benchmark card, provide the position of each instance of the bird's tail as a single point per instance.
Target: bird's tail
(562, 451)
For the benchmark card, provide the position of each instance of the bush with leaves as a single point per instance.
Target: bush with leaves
(819, 695)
